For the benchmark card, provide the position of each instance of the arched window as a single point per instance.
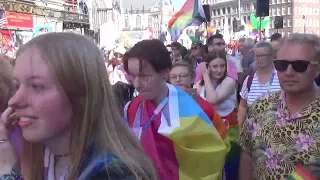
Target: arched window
(138, 21)
(126, 24)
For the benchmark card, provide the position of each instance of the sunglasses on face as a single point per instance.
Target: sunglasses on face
(195, 47)
(299, 66)
(219, 44)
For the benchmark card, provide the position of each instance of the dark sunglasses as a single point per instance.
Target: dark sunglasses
(220, 44)
(299, 66)
(195, 47)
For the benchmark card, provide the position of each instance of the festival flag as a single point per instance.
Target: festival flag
(301, 173)
(255, 22)
(250, 26)
(235, 48)
(211, 30)
(193, 146)
(3, 17)
(191, 13)
(150, 32)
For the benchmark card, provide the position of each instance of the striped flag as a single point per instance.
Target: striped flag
(191, 13)
(3, 18)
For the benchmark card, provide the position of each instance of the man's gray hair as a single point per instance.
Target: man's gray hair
(264, 44)
(249, 42)
(302, 38)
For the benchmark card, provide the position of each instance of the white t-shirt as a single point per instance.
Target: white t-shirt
(257, 90)
(226, 107)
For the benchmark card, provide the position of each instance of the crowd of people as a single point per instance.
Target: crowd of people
(72, 111)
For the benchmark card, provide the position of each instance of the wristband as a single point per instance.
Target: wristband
(12, 176)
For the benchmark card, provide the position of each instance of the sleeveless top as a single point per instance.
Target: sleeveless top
(227, 106)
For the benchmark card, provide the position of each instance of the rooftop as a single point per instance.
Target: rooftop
(148, 4)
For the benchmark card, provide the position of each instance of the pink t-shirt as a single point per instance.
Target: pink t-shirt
(232, 71)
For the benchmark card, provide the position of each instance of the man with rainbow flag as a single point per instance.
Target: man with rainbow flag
(174, 131)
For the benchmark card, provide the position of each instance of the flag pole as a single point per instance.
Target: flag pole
(260, 33)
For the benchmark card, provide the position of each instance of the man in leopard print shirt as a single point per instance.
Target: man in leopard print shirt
(281, 135)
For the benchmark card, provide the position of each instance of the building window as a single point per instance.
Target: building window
(214, 12)
(278, 11)
(228, 10)
(223, 11)
(284, 23)
(138, 21)
(150, 21)
(245, 19)
(274, 12)
(248, 18)
(284, 11)
(289, 10)
(229, 21)
(126, 23)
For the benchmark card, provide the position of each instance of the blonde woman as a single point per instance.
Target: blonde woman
(70, 127)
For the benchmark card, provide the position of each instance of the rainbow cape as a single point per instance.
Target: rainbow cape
(301, 173)
(191, 13)
(187, 148)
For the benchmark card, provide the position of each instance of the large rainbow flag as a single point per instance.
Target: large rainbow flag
(186, 146)
(191, 13)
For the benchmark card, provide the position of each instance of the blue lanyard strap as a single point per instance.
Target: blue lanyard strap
(158, 109)
(271, 81)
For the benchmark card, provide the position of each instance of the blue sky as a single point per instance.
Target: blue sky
(178, 4)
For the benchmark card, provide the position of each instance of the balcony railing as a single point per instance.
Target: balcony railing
(28, 8)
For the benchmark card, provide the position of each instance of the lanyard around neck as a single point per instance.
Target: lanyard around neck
(271, 81)
(158, 109)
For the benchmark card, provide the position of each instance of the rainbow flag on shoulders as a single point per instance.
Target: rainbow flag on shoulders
(191, 13)
(301, 173)
(186, 146)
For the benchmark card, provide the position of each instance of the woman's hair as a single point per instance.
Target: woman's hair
(6, 85)
(152, 51)
(212, 56)
(123, 93)
(79, 67)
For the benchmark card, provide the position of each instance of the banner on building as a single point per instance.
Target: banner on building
(19, 20)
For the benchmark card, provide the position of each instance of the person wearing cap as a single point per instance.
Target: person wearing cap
(197, 53)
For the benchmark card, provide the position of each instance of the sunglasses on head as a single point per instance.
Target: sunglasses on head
(299, 66)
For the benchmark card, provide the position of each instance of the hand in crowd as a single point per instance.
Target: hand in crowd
(206, 70)
(202, 67)
(9, 159)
